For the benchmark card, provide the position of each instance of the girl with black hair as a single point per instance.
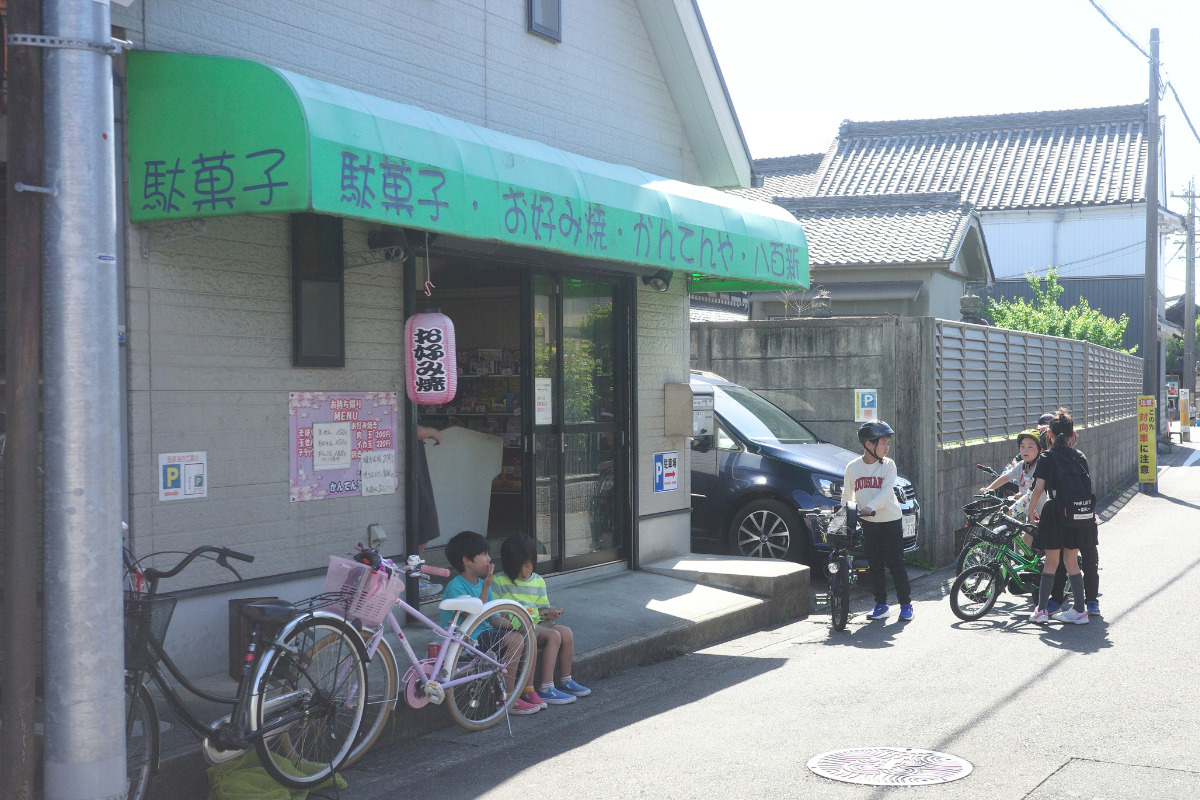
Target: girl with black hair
(1059, 540)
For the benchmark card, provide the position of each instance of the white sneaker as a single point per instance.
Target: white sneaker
(1072, 616)
(1039, 616)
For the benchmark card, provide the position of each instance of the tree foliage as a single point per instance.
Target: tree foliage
(1047, 316)
(1175, 351)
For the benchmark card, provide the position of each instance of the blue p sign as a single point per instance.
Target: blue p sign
(172, 477)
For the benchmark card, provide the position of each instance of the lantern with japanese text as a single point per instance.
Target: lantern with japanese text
(430, 360)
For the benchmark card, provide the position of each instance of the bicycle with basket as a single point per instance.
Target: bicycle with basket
(299, 702)
(840, 529)
(483, 662)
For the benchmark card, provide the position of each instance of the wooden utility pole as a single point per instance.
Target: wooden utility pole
(22, 370)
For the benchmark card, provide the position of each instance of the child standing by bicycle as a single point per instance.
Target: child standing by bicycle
(870, 481)
(1029, 447)
(468, 554)
(1062, 530)
(521, 584)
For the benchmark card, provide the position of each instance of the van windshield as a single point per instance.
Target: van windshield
(757, 419)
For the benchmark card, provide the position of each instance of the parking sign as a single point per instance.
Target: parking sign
(866, 405)
(666, 471)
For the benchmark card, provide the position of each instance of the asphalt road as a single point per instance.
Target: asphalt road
(1105, 710)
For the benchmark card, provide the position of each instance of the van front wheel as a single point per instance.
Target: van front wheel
(766, 529)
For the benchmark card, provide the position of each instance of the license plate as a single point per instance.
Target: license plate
(909, 525)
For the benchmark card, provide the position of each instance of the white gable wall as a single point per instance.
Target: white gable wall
(1083, 243)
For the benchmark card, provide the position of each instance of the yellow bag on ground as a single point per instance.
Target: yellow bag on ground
(245, 779)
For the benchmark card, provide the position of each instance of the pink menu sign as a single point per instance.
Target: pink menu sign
(343, 444)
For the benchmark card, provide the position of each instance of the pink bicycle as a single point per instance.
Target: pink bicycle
(483, 663)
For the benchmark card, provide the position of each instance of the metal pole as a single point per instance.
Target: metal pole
(1189, 306)
(23, 328)
(1150, 378)
(84, 695)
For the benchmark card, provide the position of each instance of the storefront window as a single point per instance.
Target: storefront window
(318, 322)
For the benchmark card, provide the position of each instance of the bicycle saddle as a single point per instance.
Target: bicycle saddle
(464, 603)
(267, 612)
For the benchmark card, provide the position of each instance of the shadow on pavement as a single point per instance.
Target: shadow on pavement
(473, 763)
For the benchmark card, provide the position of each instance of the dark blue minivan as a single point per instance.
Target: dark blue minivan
(759, 469)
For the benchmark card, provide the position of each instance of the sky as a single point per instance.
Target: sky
(796, 68)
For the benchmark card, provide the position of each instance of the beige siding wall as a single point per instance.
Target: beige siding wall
(600, 92)
(209, 353)
(662, 351)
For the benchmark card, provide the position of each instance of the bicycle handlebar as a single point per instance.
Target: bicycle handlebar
(223, 554)
(371, 557)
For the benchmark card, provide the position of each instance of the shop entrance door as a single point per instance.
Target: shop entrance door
(579, 419)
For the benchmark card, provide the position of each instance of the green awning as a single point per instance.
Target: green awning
(213, 136)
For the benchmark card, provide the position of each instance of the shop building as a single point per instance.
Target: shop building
(295, 191)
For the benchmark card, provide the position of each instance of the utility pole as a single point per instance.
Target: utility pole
(1187, 367)
(1150, 374)
(84, 756)
(22, 371)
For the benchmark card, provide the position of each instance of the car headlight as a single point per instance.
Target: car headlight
(830, 487)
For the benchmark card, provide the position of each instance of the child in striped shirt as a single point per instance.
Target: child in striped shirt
(519, 583)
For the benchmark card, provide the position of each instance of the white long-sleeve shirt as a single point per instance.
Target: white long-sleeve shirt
(872, 486)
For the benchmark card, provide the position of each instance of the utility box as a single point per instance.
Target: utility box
(689, 410)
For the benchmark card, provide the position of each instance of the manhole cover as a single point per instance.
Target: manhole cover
(889, 766)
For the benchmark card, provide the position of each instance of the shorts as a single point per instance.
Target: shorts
(1053, 535)
(490, 639)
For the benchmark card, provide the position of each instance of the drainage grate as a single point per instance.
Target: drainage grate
(889, 766)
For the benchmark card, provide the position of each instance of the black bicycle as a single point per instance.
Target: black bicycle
(300, 699)
(841, 530)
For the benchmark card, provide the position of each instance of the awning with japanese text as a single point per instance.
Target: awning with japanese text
(212, 136)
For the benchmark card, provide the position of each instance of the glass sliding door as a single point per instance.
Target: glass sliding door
(579, 422)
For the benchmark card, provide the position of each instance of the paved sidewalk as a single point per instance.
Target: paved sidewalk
(621, 618)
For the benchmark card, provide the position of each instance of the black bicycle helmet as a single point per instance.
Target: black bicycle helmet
(870, 431)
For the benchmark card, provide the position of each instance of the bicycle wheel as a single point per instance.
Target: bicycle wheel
(506, 635)
(975, 551)
(839, 595)
(975, 592)
(382, 691)
(308, 702)
(141, 737)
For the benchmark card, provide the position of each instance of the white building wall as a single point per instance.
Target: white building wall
(600, 92)
(1082, 243)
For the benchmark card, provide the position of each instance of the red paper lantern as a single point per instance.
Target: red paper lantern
(430, 359)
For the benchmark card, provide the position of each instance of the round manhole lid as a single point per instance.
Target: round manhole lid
(889, 766)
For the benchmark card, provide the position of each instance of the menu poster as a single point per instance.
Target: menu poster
(342, 444)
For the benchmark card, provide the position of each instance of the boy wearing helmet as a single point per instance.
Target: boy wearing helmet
(870, 481)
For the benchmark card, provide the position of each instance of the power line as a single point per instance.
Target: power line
(1179, 103)
(1128, 38)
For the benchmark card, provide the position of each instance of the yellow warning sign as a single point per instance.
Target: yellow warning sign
(1146, 427)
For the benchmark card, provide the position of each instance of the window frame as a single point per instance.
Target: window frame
(335, 273)
(532, 7)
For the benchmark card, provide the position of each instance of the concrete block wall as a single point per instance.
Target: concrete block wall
(1111, 450)
(599, 92)
(810, 367)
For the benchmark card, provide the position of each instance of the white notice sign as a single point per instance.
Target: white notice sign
(378, 472)
(543, 408)
(331, 445)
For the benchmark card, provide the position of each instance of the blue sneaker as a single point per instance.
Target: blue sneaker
(906, 611)
(879, 611)
(1093, 608)
(571, 687)
(554, 697)
(1052, 606)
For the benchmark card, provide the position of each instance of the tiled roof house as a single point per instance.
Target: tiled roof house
(1063, 188)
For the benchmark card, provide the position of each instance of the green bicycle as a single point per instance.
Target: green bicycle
(1004, 562)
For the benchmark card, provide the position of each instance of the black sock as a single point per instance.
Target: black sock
(1045, 586)
(1077, 590)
